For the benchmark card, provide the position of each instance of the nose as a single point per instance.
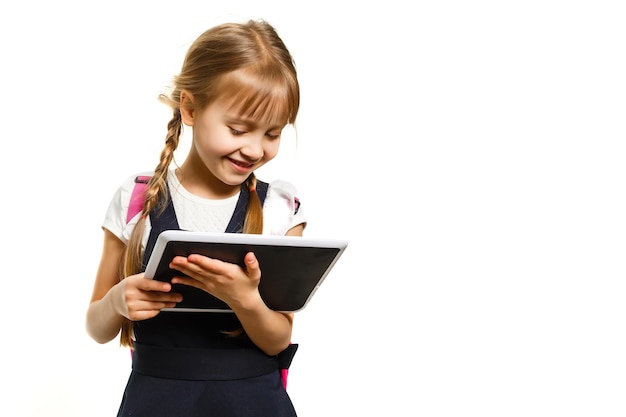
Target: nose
(252, 149)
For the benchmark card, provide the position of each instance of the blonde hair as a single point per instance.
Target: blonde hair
(247, 62)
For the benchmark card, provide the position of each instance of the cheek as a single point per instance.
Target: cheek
(213, 142)
(271, 149)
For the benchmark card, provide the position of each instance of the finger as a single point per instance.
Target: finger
(157, 291)
(152, 303)
(201, 263)
(182, 265)
(150, 310)
(154, 285)
(252, 265)
(188, 281)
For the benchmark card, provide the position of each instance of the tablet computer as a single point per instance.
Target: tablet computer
(292, 267)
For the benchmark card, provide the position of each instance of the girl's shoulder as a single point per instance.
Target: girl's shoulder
(126, 187)
(283, 192)
(282, 208)
(116, 217)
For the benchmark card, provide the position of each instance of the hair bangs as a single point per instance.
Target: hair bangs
(267, 99)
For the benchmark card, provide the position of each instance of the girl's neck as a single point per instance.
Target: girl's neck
(202, 183)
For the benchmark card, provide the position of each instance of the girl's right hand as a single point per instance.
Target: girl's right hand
(139, 298)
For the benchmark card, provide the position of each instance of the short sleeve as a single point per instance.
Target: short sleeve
(115, 217)
(282, 209)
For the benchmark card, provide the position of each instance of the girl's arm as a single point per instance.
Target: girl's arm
(103, 319)
(112, 300)
(268, 329)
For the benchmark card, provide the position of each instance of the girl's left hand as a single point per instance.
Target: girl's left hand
(230, 283)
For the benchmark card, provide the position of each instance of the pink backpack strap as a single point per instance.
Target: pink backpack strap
(284, 361)
(284, 373)
(137, 197)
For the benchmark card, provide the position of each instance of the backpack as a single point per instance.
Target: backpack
(136, 205)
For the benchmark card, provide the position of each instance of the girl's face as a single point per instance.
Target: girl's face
(229, 145)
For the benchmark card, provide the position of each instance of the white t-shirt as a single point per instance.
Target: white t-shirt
(281, 210)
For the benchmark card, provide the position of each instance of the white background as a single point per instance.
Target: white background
(470, 152)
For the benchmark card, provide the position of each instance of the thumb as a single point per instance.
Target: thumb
(252, 264)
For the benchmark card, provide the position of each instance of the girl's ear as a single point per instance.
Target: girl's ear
(186, 108)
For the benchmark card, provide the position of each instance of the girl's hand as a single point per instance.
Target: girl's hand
(230, 283)
(140, 298)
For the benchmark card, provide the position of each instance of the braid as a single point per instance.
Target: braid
(253, 223)
(157, 192)
(157, 187)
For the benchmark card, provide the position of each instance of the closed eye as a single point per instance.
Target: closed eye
(236, 132)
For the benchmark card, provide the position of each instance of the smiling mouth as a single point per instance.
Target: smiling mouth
(242, 164)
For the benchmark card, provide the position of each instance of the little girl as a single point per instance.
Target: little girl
(237, 90)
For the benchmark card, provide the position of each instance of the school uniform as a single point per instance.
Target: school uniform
(187, 364)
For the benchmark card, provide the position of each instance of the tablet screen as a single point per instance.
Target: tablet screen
(292, 268)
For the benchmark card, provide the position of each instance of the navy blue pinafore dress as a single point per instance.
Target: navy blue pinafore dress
(184, 365)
